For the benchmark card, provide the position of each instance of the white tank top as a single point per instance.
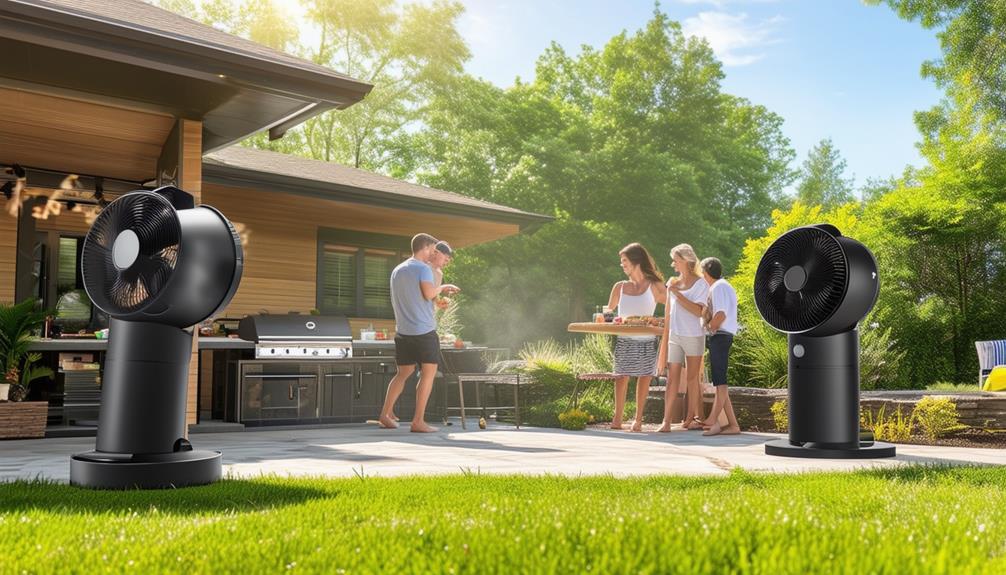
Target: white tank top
(642, 304)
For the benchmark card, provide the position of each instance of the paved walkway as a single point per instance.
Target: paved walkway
(352, 449)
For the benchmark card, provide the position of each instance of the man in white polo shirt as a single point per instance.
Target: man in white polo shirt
(721, 329)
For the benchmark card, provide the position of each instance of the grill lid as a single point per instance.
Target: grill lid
(294, 327)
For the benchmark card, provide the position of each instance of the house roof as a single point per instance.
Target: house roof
(243, 166)
(131, 51)
(145, 18)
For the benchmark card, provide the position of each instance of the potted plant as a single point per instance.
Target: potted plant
(19, 418)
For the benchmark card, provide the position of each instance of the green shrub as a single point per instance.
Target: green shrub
(896, 428)
(574, 419)
(763, 353)
(879, 359)
(936, 416)
(594, 354)
(598, 400)
(780, 414)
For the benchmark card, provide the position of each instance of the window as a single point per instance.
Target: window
(339, 280)
(354, 272)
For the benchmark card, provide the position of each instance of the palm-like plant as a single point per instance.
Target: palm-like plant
(17, 322)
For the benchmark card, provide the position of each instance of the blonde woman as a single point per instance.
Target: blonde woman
(683, 340)
(635, 356)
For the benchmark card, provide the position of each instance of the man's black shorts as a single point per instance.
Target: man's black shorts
(413, 349)
(719, 353)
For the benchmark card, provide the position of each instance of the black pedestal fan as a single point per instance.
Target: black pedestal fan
(816, 285)
(157, 265)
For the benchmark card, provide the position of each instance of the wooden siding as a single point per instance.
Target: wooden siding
(8, 254)
(57, 133)
(281, 234)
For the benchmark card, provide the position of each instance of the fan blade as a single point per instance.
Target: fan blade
(153, 272)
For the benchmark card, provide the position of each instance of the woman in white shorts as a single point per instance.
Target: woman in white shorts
(684, 340)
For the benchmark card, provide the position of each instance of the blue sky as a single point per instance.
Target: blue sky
(830, 68)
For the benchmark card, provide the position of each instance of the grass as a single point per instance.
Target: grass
(908, 520)
(953, 387)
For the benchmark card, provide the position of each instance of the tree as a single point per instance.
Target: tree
(973, 40)
(409, 53)
(822, 181)
(631, 142)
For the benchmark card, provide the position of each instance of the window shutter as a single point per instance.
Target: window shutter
(339, 279)
(377, 267)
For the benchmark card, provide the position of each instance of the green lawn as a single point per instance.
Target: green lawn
(914, 520)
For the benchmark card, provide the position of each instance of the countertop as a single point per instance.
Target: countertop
(205, 342)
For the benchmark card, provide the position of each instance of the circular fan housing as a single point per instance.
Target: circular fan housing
(143, 260)
(814, 281)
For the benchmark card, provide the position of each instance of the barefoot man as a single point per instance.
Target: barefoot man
(413, 288)
(722, 327)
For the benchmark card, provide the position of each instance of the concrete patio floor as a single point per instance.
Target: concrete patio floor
(348, 450)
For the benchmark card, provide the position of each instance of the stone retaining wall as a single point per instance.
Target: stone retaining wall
(753, 405)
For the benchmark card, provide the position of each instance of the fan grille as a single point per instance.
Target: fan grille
(155, 223)
(822, 258)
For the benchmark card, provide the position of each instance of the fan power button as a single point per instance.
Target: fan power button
(798, 350)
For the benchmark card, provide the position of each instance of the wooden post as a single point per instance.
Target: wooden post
(181, 164)
(8, 255)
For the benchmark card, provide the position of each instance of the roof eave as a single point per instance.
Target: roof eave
(239, 177)
(179, 54)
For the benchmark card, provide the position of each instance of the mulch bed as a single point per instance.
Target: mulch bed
(965, 438)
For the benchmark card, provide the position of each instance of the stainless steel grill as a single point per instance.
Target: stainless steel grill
(298, 336)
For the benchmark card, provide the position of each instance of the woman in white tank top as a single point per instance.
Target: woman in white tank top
(635, 356)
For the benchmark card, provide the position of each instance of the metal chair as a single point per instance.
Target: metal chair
(469, 366)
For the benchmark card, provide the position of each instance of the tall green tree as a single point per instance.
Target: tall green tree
(972, 36)
(631, 142)
(822, 177)
(410, 53)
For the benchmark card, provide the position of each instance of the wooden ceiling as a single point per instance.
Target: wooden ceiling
(61, 134)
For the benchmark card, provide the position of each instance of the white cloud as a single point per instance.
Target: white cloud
(734, 39)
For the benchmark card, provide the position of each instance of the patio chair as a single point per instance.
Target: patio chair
(469, 366)
(991, 354)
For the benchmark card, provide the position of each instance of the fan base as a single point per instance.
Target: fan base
(867, 450)
(98, 470)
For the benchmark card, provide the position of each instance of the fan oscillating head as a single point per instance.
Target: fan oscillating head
(812, 280)
(130, 252)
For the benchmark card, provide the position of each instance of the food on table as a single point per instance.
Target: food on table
(643, 320)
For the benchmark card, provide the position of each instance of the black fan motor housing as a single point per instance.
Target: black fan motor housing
(143, 260)
(157, 264)
(816, 285)
(813, 280)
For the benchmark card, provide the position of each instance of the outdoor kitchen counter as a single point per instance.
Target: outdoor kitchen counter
(205, 342)
(92, 344)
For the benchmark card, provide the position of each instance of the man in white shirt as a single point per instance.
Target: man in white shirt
(721, 329)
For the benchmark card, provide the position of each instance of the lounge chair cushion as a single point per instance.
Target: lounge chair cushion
(996, 380)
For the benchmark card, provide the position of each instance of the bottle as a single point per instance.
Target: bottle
(598, 316)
